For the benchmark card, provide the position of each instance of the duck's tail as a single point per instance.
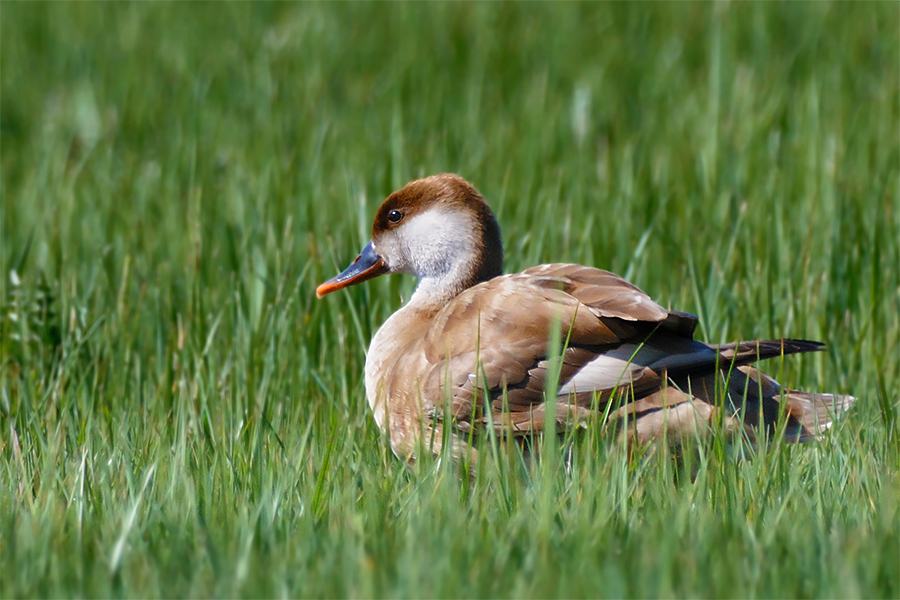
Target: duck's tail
(811, 414)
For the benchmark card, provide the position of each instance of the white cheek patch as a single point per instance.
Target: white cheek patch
(388, 248)
(438, 242)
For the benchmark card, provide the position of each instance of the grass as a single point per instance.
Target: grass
(179, 416)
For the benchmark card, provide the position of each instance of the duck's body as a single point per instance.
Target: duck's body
(474, 346)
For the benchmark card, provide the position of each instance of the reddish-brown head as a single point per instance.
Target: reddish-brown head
(438, 228)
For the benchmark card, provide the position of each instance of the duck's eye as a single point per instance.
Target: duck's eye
(395, 216)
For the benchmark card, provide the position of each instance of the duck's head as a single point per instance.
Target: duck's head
(439, 229)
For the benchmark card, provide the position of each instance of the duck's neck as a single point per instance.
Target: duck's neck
(434, 291)
(452, 261)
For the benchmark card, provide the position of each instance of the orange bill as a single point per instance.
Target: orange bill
(366, 266)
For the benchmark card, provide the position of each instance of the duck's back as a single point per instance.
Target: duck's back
(485, 359)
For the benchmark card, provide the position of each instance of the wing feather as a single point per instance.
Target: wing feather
(488, 351)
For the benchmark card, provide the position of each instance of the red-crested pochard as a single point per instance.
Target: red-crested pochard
(473, 345)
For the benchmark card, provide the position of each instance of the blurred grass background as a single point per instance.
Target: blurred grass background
(181, 417)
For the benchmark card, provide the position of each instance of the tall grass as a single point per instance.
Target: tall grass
(180, 417)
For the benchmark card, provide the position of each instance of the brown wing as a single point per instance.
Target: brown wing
(494, 338)
(488, 352)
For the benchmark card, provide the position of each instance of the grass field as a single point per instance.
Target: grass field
(179, 415)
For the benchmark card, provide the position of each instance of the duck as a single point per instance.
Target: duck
(554, 347)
